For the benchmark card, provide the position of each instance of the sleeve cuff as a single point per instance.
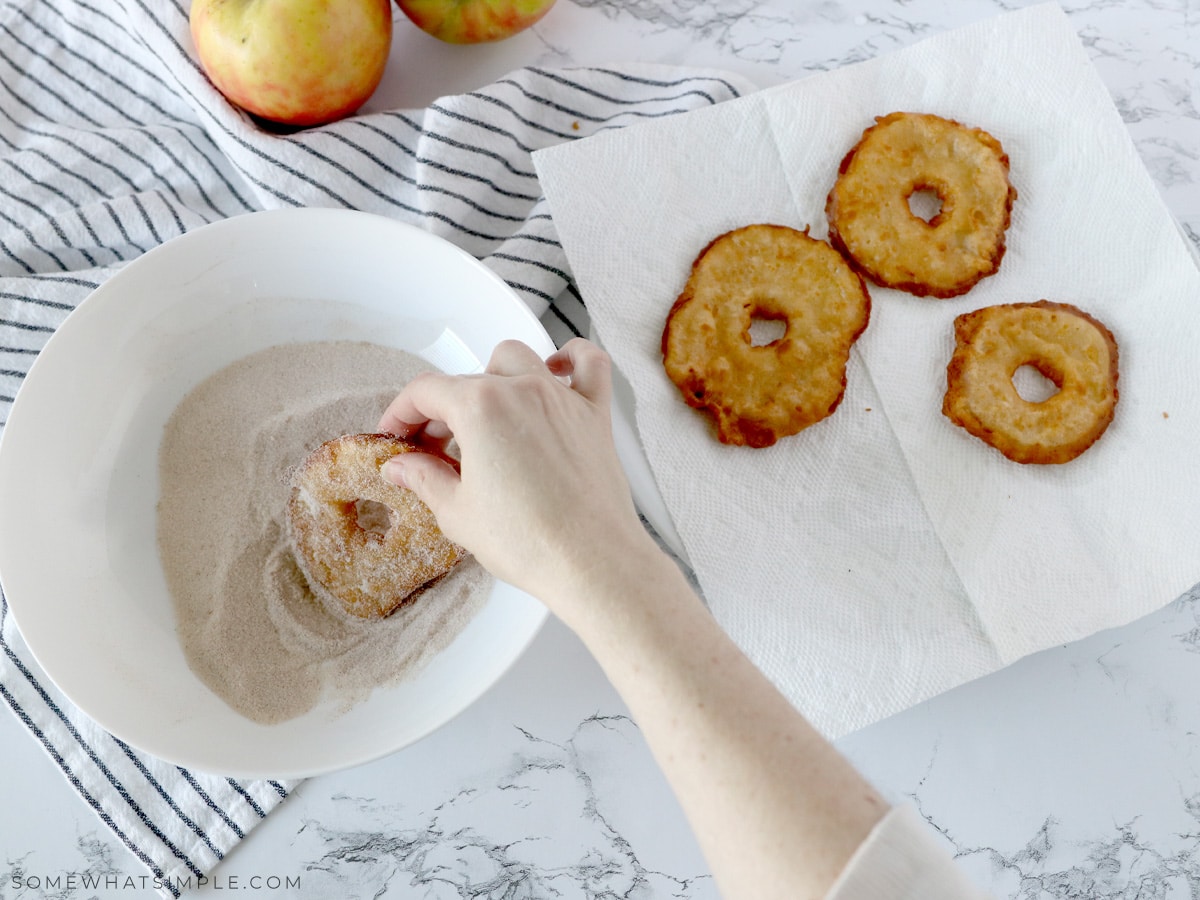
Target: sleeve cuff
(901, 860)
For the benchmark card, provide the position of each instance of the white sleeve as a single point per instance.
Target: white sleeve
(900, 860)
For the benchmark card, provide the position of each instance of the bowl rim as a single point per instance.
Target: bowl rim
(107, 303)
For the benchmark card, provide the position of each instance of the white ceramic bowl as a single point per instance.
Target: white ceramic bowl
(79, 461)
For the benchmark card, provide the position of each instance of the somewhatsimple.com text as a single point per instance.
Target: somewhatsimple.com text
(87, 881)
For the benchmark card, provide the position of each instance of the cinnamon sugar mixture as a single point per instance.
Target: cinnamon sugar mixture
(251, 629)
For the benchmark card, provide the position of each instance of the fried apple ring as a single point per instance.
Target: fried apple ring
(758, 393)
(365, 546)
(871, 221)
(1068, 346)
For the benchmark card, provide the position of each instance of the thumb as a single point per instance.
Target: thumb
(433, 480)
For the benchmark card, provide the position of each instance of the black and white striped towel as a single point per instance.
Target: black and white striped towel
(112, 141)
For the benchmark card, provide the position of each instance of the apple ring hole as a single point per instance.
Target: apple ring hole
(766, 330)
(925, 204)
(372, 517)
(1033, 385)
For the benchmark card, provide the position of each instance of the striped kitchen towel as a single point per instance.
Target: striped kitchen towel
(113, 141)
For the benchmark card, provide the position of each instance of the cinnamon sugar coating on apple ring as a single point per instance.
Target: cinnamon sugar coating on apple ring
(365, 546)
(903, 154)
(758, 393)
(1069, 347)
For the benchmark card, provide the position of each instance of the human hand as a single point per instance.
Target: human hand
(541, 498)
(542, 502)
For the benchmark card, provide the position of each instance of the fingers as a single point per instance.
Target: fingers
(589, 367)
(515, 358)
(432, 479)
(422, 407)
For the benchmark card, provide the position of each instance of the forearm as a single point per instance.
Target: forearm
(776, 809)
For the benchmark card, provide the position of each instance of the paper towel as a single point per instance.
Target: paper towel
(885, 555)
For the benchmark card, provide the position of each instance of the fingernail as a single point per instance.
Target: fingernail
(393, 471)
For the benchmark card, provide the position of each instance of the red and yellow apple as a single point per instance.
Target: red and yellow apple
(474, 21)
(299, 62)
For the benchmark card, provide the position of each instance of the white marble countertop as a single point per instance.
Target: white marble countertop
(1074, 773)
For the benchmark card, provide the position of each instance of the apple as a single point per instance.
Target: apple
(299, 62)
(474, 21)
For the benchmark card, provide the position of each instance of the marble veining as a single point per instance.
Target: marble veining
(1150, 69)
(94, 856)
(492, 837)
(1119, 864)
(1074, 773)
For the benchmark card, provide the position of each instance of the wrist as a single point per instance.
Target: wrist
(625, 595)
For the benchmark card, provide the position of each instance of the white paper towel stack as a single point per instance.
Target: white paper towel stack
(885, 555)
